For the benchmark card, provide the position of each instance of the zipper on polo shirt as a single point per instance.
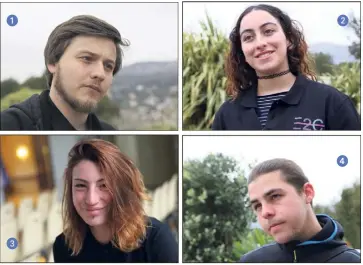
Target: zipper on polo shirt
(295, 259)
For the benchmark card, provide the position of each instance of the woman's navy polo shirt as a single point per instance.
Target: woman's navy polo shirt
(308, 105)
(159, 246)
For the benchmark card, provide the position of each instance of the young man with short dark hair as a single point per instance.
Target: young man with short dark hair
(81, 57)
(281, 197)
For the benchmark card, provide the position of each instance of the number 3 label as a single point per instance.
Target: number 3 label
(12, 243)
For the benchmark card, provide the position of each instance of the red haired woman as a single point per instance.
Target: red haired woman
(103, 215)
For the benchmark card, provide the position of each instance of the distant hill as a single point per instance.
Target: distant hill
(140, 78)
(147, 94)
(339, 53)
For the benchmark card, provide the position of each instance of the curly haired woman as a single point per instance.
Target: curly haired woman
(271, 83)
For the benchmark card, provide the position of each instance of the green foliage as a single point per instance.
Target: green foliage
(107, 109)
(347, 213)
(161, 127)
(321, 209)
(9, 86)
(204, 80)
(17, 97)
(346, 78)
(35, 82)
(255, 238)
(354, 49)
(323, 63)
(215, 209)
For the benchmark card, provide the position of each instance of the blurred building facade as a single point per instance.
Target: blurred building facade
(32, 178)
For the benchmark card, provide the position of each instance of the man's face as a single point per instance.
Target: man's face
(281, 210)
(84, 73)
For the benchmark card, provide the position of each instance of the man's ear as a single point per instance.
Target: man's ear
(309, 192)
(52, 68)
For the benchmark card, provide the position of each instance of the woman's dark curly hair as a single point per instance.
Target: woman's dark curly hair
(241, 75)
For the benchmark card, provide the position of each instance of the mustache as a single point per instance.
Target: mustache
(96, 87)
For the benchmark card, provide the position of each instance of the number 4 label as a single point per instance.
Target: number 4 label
(342, 161)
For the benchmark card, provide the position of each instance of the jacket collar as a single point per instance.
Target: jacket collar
(331, 233)
(248, 97)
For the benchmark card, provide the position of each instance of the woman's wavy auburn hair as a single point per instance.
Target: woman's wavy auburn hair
(124, 182)
(240, 75)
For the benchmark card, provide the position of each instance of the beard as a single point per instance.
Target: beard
(85, 106)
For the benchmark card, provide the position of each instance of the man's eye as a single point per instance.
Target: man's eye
(109, 66)
(275, 196)
(86, 58)
(256, 207)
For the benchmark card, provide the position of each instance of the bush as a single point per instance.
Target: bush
(215, 209)
(346, 78)
(17, 97)
(204, 80)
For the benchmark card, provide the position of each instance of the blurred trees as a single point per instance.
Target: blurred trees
(347, 212)
(107, 109)
(323, 63)
(354, 48)
(15, 97)
(36, 82)
(9, 86)
(346, 78)
(256, 238)
(215, 209)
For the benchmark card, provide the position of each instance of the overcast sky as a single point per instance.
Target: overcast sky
(316, 155)
(152, 29)
(319, 20)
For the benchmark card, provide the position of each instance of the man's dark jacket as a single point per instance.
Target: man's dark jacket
(326, 246)
(39, 113)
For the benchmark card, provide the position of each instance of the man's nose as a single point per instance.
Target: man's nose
(267, 211)
(98, 71)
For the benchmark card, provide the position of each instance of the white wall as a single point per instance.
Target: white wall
(60, 145)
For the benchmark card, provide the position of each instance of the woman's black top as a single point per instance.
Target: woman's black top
(158, 246)
(308, 106)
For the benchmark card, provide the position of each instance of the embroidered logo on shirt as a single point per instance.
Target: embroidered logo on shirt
(306, 124)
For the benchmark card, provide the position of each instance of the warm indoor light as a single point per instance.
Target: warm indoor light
(22, 152)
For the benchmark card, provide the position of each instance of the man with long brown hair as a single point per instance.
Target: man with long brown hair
(103, 215)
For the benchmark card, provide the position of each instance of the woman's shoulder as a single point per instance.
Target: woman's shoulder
(60, 239)
(59, 244)
(60, 249)
(318, 87)
(160, 244)
(157, 230)
(153, 226)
